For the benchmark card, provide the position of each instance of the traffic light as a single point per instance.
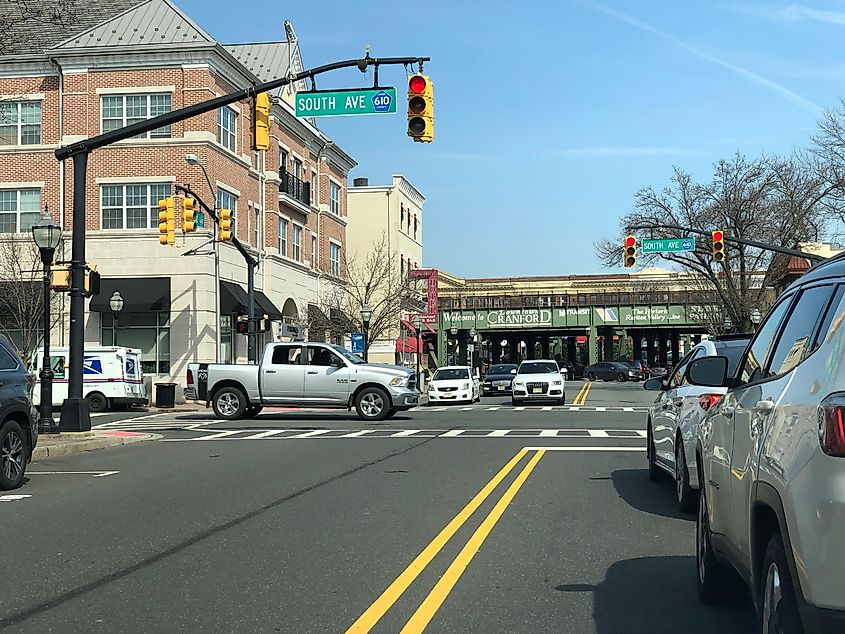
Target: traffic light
(718, 245)
(630, 251)
(167, 221)
(420, 108)
(261, 122)
(224, 225)
(189, 216)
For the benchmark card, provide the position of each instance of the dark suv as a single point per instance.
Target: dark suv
(18, 429)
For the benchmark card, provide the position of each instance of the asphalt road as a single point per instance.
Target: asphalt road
(486, 519)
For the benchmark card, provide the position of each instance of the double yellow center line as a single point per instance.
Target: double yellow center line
(581, 397)
(428, 608)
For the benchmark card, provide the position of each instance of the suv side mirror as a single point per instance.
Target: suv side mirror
(654, 385)
(708, 372)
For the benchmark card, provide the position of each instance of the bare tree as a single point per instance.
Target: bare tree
(781, 201)
(371, 279)
(22, 295)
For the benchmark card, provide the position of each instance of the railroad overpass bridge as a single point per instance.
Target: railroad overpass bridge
(654, 315)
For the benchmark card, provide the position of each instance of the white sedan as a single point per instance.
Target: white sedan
(453, 384)
(539, 380)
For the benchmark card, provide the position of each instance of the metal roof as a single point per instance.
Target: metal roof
(265, 60)
(150, 23)
(29, 28)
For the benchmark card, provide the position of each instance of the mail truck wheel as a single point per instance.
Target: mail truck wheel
(372, 403)
(229, 403)
(97, 402)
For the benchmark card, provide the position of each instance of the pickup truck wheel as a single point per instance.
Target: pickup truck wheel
(372, 404)
(229, 403)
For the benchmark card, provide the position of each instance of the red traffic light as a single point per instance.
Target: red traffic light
(416, 84)
(630, 241)
(718, 236)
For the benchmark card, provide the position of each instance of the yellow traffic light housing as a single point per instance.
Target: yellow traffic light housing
(189, 215)
(420, 108)
(261, 122)
(167, 221)
(717, 245)
(630, 251)
(224, 225)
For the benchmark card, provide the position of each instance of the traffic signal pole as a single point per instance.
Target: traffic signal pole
(74, 414)
(251, 265)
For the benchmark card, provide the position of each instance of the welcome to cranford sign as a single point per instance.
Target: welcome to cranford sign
(571, 317)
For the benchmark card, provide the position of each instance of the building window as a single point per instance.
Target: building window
(313, 252)
(401, 216)
(283, 160)
(227, 128)
(20, 122)
(283, 237)
(297, 243)
(416, 226)
(257, 227)
(131, 206)
(149, 332)
(228, 200)
(227, 341)
(297, 168)
(334, 197)
(118, 111)
(334, 259)
(19, 209)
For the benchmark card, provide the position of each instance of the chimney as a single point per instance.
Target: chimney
(360, 182)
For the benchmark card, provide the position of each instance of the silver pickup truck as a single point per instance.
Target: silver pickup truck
(303, 375)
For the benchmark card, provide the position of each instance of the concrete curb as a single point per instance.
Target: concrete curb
(85, 441)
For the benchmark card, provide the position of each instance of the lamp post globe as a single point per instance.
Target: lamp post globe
(728, 324)
(756, 316)
(116, 305)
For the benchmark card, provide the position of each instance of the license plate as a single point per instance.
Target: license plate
(536, 390)
(501, 388)
(448, 396)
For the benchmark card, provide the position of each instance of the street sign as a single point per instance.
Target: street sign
(336, 103)
(357, 342)
(667, 245)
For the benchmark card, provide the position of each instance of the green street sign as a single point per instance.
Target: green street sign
(668, 245)
(337, 103)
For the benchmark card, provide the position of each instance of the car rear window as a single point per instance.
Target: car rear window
(733, 351)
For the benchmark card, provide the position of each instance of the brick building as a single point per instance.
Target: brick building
(113, 62)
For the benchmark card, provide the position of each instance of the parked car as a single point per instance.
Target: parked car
(676, 412)
(303, 374)
(772, 458)
(657, 370)
(610, 371)
(539, 380)
(454, 384)
(639, 367)
(18, 426)
(499, 378)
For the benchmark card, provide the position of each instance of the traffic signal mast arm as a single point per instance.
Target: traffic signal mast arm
(751, 243)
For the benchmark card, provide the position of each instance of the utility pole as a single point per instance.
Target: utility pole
(74, 414)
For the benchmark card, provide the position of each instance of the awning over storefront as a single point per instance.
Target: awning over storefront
(233, 300)
(408, 344)
(140, 294)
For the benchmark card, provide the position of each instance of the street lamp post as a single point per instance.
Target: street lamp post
(418, 324)
(116, 305)
(728, 324)
(47, 236)
(473, 333)
(366, 315)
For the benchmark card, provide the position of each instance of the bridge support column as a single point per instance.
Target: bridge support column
(592, 346)
(637, 336)
(571, 350)
(674, 342)
(513, 348)
(652, 350)
(662, 352)
(546, 345)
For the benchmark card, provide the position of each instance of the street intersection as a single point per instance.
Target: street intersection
(452, 520)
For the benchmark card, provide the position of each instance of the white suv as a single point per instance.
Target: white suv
(771, 455)
(538, 380)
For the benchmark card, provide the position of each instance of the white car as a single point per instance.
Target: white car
(674, 416)
(538, 380)
(453, 384)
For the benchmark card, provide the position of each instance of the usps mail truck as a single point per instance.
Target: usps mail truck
(111, 376)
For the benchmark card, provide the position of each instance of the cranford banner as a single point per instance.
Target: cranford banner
(668, 315)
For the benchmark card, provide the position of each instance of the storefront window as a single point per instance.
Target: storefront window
(227, 344)
(149, 332)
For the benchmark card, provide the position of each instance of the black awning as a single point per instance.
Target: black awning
(140, 294)
(266, 306)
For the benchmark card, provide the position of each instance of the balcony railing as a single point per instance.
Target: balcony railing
(297, 189)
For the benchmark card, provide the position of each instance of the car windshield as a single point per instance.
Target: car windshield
(451, 374)
(538, 368)
(349, 356)
(501, 369)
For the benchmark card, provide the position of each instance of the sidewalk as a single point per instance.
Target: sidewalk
(183, 407)
(51, 445)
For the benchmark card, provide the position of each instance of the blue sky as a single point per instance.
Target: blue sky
(550, 115)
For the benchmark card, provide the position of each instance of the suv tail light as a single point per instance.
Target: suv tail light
(190, 377)
(832, 425)
(706, 401)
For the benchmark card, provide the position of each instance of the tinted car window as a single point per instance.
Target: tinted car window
(538, 368)
(752, 369)
(7, 361)
(795, 341)
(733, 351)
(678, 376)
(833, 318)
(501, 369)
(285, 355)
